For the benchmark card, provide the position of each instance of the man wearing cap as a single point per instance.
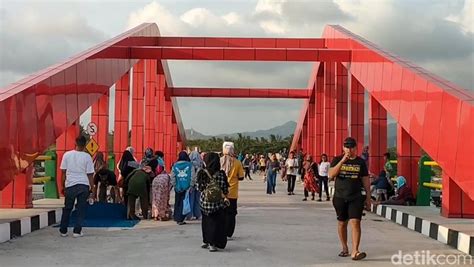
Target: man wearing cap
(350, 173)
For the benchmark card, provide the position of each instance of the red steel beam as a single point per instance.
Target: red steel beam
(227, 54)
(293, 93)
(234, 42)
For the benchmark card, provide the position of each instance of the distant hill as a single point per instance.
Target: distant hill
(283, 130)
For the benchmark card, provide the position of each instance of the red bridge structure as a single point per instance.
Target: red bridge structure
(432, 114)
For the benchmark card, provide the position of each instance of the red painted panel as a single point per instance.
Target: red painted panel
(449, 127)
(239, 54)
(335, 55)
(418, 109)
(240, 42)
(406, 96)
(176, 53)
(465, 144)
(193, 41)
(431, 123)
(302, 55)
(312, 43)
(287, 43)
(208, 53)
(264, 42)
(395, 93)
(270, 54)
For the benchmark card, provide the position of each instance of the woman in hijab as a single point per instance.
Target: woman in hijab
(194, 194)
(182, 173)
(126, 165)
(161, 186)
(214, 234)
(273, 166)
(404, 193)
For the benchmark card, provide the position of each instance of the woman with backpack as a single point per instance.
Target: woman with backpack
(194, 194)
(182, 173)
(212, 182)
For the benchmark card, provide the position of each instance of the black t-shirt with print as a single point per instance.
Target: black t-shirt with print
(349, 180)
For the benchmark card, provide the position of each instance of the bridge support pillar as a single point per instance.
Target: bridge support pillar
(341, 108)
(329, 109)
(455, 203)
(319, 116)
(377, 135)
(304, 135)
(150, 106)
(357, 124)
(408, 155)
(138, 95)
(122, 103)
(100, 116)
(310, 128)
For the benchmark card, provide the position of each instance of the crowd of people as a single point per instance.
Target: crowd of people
(206, 187)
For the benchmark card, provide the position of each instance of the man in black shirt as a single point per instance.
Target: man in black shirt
(350, 173)
(102, 180)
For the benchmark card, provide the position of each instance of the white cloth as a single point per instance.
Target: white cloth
(324, 168)
(291, 163)
(77, 165)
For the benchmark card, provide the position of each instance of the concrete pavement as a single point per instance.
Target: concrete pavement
(275, 230)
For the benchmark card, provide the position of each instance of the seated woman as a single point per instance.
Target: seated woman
(403, 196)
(380, 186)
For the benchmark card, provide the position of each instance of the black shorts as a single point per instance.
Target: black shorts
(346, 210)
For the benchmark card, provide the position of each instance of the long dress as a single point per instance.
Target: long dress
(160, 208)
(310, 178)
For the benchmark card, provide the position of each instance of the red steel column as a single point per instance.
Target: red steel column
(304, 135)
(122, 102)
(168, 130)
(160, 110)
(100, 116)
(377, 135)
(319, 116)
(408, 155)
(65, 142)
(138, 109)
(311, 131)
(455, 203)
(175, 149)
(357, 112)
(341, 108)
(329, 109)
(150, 106)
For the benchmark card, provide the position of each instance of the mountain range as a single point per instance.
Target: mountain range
(285, 130)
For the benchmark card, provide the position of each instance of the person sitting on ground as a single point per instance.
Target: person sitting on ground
(403, 196)
(381, 185)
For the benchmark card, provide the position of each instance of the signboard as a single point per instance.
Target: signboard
(92, 147)
(91, 129)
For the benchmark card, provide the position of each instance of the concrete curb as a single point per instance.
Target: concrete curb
(458, 240)
(26, 225)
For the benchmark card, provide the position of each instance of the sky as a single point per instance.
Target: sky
(434, 34)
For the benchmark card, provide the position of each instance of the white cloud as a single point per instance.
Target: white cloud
(270, 6)
(273, 26)
(465, 18)
(231, 18)
(168, 23)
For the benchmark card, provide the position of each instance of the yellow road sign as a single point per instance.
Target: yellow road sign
(92, 147)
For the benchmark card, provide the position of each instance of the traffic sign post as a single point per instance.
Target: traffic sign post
(92, 147)
(91, 129)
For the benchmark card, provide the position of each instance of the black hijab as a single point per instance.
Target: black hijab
(126, 157)
(183, 156)
(212, 162)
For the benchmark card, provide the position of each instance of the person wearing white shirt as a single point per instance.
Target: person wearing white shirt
(291, 172)
(77, 178)
(323, 176)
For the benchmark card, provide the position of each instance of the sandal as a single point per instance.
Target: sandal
(343, 254)
(359, 256)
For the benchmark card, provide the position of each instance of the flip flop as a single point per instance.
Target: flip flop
(359, 256)
(343, 254)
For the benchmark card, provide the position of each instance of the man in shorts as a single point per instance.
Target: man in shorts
(350, 173)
